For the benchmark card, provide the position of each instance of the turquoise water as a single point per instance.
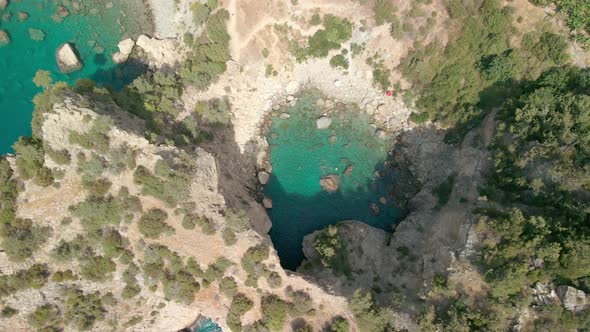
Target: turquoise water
(301, 155)
(206, 325)
(93, 28)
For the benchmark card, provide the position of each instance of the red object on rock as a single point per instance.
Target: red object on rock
(389, 93)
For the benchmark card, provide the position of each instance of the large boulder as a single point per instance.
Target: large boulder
(125, 49)
(4, 38)
(67, 59)
(571, 298)
(323, 122)
(263, 177)
(292, 87)
(3, 4)
(330, 183)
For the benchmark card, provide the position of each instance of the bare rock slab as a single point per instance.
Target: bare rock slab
(67, 59)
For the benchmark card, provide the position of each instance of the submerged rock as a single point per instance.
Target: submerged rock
(323, 122)
(4, 38)
(36, 34)
(330, 183)
(22, 16)
(348, 170)
(263, 177)
(375, 210)
(67, 59)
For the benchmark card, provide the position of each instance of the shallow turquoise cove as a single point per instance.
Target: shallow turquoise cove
(206, 325)
(301, 155)
(93, 28)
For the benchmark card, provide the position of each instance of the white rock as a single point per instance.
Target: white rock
(263, 177)
(67, 59)
(320, 102)
(3, 4)
(292, 87)
(267, 203)
(572, 299)
(162, 52)
(337, 83)
(284, 116)
(126, 46)
(293, 102)
(380, 134)
(323, 122)
(290, 97)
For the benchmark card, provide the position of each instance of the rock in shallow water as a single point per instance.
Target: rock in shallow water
(67, 59)
(330, 183)
(267, 203)
(4, 38)
(3, 4)
(323, 122)
(292, 87)
(263, 177)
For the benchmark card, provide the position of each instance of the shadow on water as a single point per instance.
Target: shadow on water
(294, 215)
(117, 76)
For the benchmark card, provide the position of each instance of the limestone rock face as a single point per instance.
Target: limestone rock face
(125, 49)
(67, 59)
(571, 298)
(3, 4)
(330, 183)
(323, 122)
(160, 52)
(4, 38)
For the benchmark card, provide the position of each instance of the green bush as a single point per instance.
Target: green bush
(170, 182)
(83, 310)
(34, 277)
(30, 160)
(153, 223)
(60, 157)
(61, 276)
(180, 287)
(443, 190)
(274, 279)
(46, 318)
(335, 32)
(370, 317)
(338, 324)
(274, 312)
(332, 250)
(339, 61)
(239, 306)
(229, 237)
(216, 112)
(237, 220)
(8, 312)
(20, 238)
(97, 268)
(98, 212)
(228, 286)
(384, 11)
(96, 138)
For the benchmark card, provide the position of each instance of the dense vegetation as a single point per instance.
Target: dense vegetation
(577, 17)
(335, 32)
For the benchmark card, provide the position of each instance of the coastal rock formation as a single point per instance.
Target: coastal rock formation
(67, 59)
(263, 177)
(125, 49)
(3, 4)
(4, 38)
(330, 183)
(160, 52)
(571, 298)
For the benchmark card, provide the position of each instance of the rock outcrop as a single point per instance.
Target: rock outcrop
(3, 4)
(571, 298)
(330, 183)
(4, 38)
(67, 59)
(125, 49)
(161, 52)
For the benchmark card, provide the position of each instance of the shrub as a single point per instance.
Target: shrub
(274, 312)
(153, 223)
(8, 312)
(170, 182)
(228, 286)
(332, 250)
(46, 318)
(335, 32)
(61, 276)
(30, 160)
(97, 268)
(216, 112)
(98, 212)
(20, 238)
(180, 287)
(82, 310)
(338, 324)
(384, 11)
(229, 237)
(302, 302)
(188, 222)
(443, 190)
(237, 220)
(239, 306)
(339, 60)
(60, 157)
(96, 138)
(34, 277)
(77, 248)
(274, 279)
(369, 316)
(216, 270)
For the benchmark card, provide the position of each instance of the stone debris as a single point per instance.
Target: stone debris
(67, 59)
(292, 87)
(330, 183)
